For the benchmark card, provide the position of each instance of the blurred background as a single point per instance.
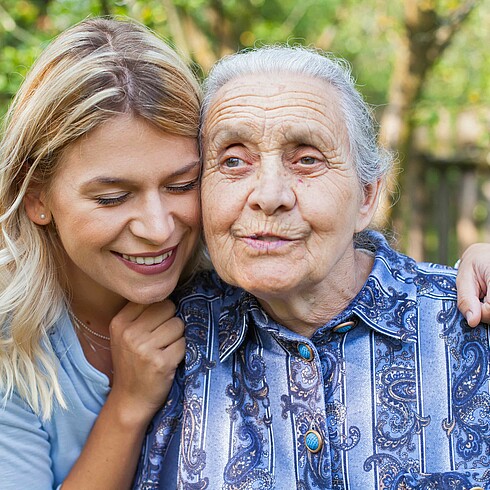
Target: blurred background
(424, 66)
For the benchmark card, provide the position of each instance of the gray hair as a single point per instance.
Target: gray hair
(370, 160)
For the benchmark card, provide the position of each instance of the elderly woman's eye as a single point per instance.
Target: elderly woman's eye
(233, 162)
(308, 160)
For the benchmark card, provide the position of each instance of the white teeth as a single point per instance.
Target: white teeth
(147, 260)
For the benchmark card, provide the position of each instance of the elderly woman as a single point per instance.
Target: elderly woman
(322, 359)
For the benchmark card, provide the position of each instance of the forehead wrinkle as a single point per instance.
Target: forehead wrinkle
(227, 130)
(231, 123)
(239, 112)
(236, 100)
(331, 140)
(313, 89)
(235, 126)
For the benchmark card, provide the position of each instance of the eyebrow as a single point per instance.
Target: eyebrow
(114, 180)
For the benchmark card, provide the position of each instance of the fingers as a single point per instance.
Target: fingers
(147, 345)
(485, 309)
(167, 333)
(144, 330)
(473, 283)
(468, 294)
(139, 319)
(172, 356)
(162, 337)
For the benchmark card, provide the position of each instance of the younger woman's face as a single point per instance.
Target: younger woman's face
(125, 205)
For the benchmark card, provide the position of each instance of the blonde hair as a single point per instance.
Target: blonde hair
(92, 72)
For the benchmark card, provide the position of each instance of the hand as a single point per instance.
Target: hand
(473, 283)
(147, 345)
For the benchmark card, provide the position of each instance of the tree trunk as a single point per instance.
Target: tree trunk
(423, 41)
(468, 197)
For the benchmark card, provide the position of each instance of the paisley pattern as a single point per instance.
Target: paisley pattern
(160, 433)
(470, 422)
(399, 398)
(250, 414)
(398, 419)
(302, 406)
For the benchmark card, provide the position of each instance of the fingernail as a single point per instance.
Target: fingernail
(468, 315)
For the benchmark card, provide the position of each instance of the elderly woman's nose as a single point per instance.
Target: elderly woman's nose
(273, 189)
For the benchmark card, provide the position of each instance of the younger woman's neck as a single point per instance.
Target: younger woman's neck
(98, 311)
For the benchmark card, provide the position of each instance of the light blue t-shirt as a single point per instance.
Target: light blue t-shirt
(37, 454)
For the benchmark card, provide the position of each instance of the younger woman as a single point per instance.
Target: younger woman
(99, 206)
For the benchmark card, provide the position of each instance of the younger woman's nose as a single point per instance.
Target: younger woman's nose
(153, 221)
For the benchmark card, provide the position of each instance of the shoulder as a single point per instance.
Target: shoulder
(435, 280)
(427, 279)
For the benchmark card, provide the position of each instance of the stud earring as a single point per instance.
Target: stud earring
(42, 216)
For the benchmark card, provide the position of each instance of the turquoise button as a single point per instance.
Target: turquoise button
(344, 327)
(305, 351)
(313, 441)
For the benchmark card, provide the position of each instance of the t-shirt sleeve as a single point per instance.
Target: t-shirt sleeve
(25, 460)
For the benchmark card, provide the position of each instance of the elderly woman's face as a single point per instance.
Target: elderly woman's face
(281, 199)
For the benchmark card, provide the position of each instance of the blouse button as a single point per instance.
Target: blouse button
(305, 351)
(313, 441)
(344, 327)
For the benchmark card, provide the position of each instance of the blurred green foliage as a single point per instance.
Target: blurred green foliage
(366, 32)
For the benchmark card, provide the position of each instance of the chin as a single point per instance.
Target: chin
(271, 286)
(153, 296)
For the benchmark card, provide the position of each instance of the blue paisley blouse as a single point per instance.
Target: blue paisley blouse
(393, 393)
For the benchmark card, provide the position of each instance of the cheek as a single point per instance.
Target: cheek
(211, 203)
(189, 211)
(223, 199)
(85, 234)
(219, 214)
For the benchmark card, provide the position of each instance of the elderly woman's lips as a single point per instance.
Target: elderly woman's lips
(268, 238)
(266, 242)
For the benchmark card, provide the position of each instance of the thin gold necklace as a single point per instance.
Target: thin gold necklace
(92, 343)
(88, 329)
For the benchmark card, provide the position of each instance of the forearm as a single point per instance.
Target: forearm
(110, 456)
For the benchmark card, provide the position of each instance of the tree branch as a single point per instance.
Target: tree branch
(449, 26)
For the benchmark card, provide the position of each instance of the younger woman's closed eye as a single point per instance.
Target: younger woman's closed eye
(189, 186)
(112, 200)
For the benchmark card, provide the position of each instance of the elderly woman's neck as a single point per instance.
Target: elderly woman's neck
(305, 312)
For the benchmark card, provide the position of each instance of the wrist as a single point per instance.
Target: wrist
(129, 414)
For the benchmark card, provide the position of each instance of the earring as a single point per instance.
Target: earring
(42, 216)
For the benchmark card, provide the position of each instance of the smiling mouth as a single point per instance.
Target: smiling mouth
(144, 260)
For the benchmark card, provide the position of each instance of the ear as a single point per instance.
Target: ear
(369, 204)
(36, 207)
